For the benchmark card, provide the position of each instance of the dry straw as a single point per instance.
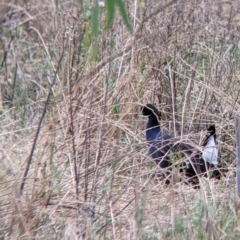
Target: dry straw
(71, 124)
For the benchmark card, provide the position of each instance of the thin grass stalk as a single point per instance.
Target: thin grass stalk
(29, 160)
(98, 154)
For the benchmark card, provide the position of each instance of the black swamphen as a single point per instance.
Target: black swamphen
(161, 145)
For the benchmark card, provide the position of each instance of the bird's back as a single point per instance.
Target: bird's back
(160, 146)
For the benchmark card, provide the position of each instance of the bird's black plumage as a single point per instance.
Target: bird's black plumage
(158, 141)
(208, 159)
(161, 145)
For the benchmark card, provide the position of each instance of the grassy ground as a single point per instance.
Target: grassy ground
(70, 124)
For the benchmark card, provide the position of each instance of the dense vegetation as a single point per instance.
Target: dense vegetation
(73, 77)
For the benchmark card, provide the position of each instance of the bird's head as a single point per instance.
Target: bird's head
(150, 109)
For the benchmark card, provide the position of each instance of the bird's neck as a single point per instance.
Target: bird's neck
(153, 128)
(153, 122)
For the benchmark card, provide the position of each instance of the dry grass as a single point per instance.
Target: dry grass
(89, 175)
